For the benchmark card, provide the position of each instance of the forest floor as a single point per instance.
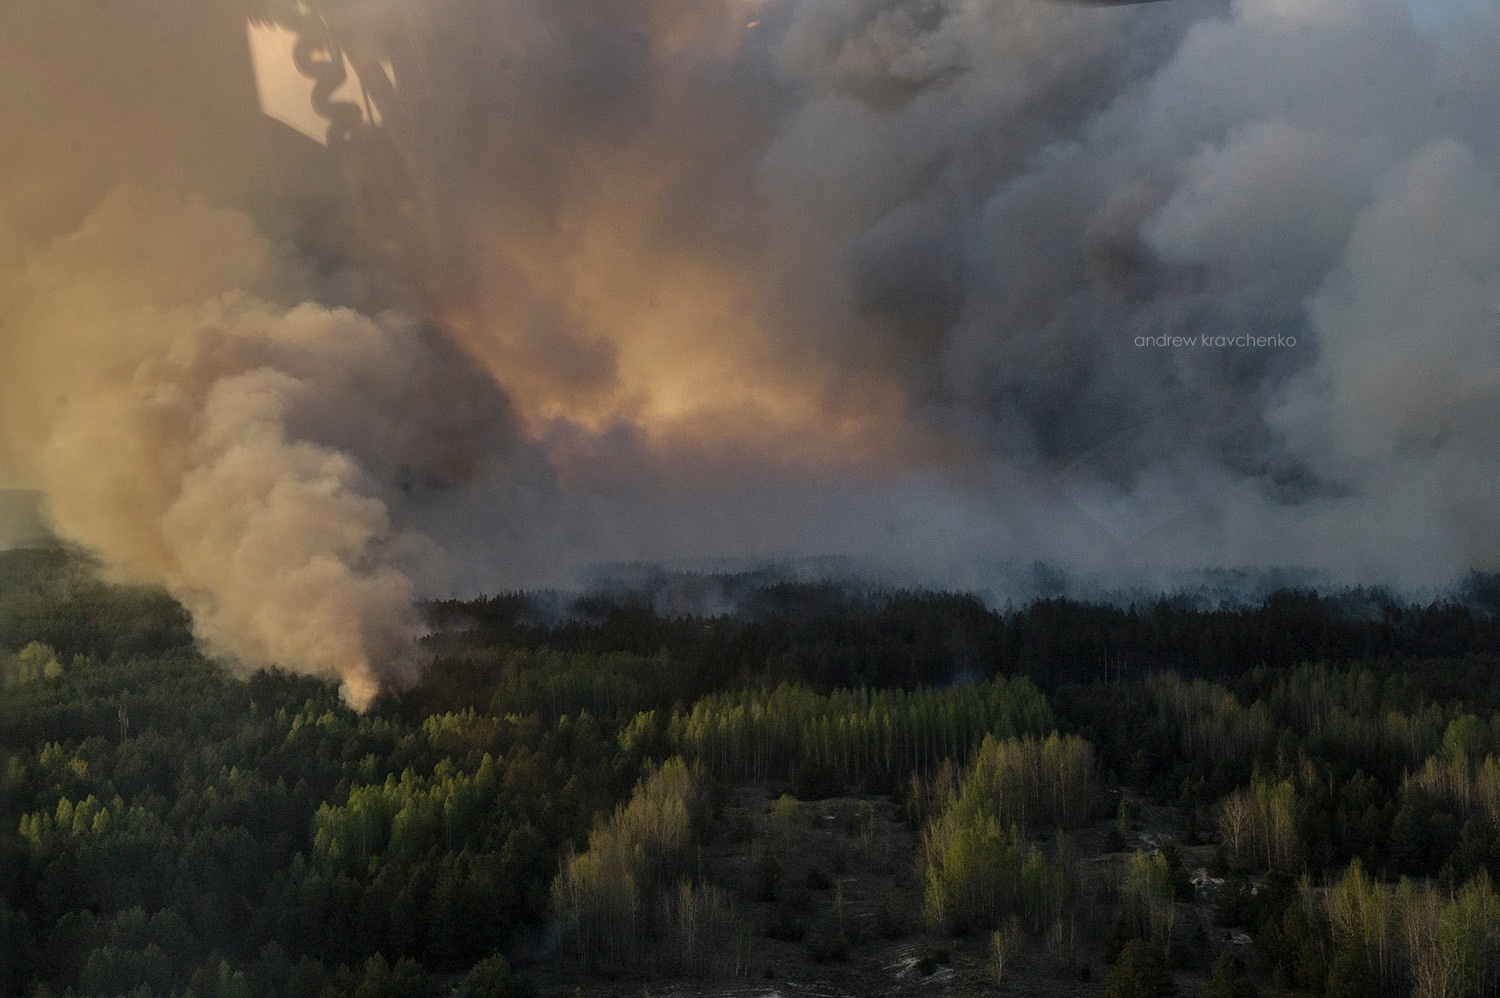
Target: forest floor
(840, 858)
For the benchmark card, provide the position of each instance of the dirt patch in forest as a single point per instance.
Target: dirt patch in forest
(841, 916)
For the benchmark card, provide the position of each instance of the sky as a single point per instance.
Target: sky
(506, 289)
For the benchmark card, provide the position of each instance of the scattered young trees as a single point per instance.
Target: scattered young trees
(634, 883)
(1003, 945)
(1466, 782)
(1259, 824)
(1150, 897)
(977, 864)
(1414, 936)
(608, 895)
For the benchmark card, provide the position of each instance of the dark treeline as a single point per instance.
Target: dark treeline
(832, 636)
(54, 596)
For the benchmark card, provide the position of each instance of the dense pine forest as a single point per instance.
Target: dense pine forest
(745, 786)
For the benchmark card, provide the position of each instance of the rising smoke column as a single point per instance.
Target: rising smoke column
(207, 386)
(771, 277)
(246, 456)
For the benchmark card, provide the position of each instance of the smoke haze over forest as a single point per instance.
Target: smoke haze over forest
(663, 280)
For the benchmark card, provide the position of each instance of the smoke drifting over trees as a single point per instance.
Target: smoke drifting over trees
(747, 278)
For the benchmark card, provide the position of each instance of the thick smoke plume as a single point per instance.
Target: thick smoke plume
(616, 280)
(240, 453)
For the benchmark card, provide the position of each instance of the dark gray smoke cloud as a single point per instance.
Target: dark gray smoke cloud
(614, 281)
(1317, 171)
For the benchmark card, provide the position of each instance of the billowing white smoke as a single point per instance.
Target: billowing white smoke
(173, 419)
(1403, 403)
